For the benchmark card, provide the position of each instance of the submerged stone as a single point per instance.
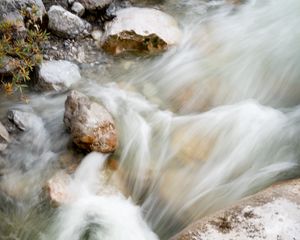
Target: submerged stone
(4, 137)
(142, 30)
(56, 189)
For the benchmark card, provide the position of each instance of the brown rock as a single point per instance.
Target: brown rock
(91, 126)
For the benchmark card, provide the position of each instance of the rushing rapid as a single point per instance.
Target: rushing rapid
(201, 126)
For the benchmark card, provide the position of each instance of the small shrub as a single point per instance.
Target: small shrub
(25, 50)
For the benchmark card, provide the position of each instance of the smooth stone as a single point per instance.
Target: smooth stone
(57, 75)
(78, 8)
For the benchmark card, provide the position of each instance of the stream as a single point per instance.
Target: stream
(201, 126)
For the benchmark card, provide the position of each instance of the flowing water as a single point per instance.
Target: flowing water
(200, 126)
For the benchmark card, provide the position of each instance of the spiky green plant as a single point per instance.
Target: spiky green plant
(25, 52)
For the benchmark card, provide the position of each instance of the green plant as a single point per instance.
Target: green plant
(24, 51)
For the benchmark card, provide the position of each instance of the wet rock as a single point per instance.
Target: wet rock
(91, 126)
(271, 214)
(78, 9)
(57, 189)
(4, 137)
(95, 4)
(66, 24)
(57, 75)
(23, 120)
(140, 30)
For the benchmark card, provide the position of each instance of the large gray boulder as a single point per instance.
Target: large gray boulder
(271, 214)
(4, 137)
(66, 24)
(57, 75)
(140, 30)
(95, 4)
(91, 126)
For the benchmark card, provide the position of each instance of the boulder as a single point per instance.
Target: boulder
(270, 214)
(91, 126)
(66, 24)
(57, 75)
(93, 5)
(78, 8)
(4, 137)
(140, 30)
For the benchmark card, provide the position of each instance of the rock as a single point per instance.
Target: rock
(10, 13)
(23, 120)
(96, 35)
(271, 214)
(36, 8)
(91, 126)
(66, 24)
(57, 189)
(57, 75)
(70, 2)
(92, 5)
(4, 137)
(78, 9)
(140, 30)
(8, 65)
(10, 10)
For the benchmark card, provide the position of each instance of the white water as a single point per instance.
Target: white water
(200, 127)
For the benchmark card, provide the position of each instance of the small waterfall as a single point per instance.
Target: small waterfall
(97, 215)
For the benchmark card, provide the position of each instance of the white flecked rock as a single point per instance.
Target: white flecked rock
(270, 214)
